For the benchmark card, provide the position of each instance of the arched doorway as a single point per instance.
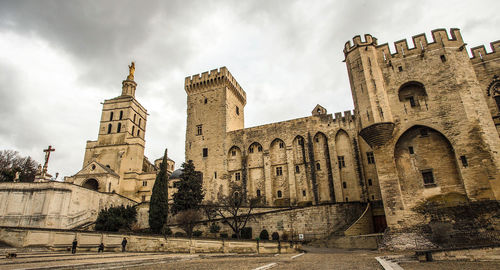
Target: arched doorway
(91, 184)
(425, 159)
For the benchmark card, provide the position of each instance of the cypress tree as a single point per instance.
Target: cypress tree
(158, 206)
(189, 191)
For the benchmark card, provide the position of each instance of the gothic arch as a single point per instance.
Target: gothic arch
(425, 158)
(234, 159)
(91, 183)
(323, 167)
(346, 167)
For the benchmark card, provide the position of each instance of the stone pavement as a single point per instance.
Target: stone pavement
(314, 258)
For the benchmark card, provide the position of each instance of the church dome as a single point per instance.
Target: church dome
(176, 174)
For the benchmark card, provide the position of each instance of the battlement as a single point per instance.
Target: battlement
(421, 44)
(357, 42)
(479, 53)
(348, 116)
(214, 78)
(439, 39)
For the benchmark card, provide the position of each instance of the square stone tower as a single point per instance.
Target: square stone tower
(215, 106)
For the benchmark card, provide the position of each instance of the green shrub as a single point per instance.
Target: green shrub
(115, 219)
(214, 228)
(246, 233)
(264, 235)
(180, 234)
(166, 231)
(197, 233)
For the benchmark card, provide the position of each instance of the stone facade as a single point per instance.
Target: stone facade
(424, 127)
(53, 205)
(116, 161)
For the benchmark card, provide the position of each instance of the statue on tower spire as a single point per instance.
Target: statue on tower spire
(131, 69)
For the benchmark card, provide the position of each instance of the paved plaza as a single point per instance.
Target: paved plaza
(313, 258)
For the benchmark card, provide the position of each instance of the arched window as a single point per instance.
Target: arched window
(133, 129)
(109, 128)
(138, 132)
(111, 116)
(121, 115)
(412, 93)
(140, 122)
(119, 128)
(280, 194)
(258, 192)
(134, 117)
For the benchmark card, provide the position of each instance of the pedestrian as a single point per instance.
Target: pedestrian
(101, 248)
(124, 244)
(73, 246)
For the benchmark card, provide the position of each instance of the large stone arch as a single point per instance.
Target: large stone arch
(91, 183)
(346, 166)
(279, 172)
(303, 187)
(234, 162)
(256, 179)
(426, 164)
(323, 167)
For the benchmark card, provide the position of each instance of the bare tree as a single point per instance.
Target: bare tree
(188, 219)
(234, 209)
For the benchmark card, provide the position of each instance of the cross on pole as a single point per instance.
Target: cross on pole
(47, 156)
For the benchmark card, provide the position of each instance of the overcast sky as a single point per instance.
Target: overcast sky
(60, 59)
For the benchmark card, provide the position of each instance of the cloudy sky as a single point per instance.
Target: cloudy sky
(60, 59)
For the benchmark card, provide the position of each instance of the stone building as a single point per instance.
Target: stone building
(115, 162)
(423, 129)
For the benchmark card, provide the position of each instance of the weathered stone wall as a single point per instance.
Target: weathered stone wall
(431, 87)
(62, 239)
(314, 222)
(53, 204)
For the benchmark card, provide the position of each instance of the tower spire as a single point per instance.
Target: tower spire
(129, 85)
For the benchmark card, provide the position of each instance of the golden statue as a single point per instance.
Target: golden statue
(131, 72)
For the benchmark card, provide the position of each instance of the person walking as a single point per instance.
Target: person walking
(124, 244)
(101, 248)
(73, 246)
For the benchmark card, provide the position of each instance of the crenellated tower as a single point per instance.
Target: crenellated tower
(368, 90)
(215, 106)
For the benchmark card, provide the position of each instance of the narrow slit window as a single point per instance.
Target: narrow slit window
(410, 150)
(109, 128)
(464, 161)
(297, 168)
(280, 194)
(258, 192)
(370, 182)
(303, 193)
(443, 58)
(318, 166)
(111, 116)
(121, 115)
(119, 128)
(205, 152)
(237, 110)
(133, 129)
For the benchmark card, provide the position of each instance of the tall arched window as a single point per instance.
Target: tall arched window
(111, 116)
(140, 122)
(133, 129)
(134, 117)
(121, 115)
(109, 128)
(119, 128)
(138, 132)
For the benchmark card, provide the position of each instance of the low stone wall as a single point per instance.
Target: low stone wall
(313, 222)
(60, 240)
(476, 254)
(53, 204)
